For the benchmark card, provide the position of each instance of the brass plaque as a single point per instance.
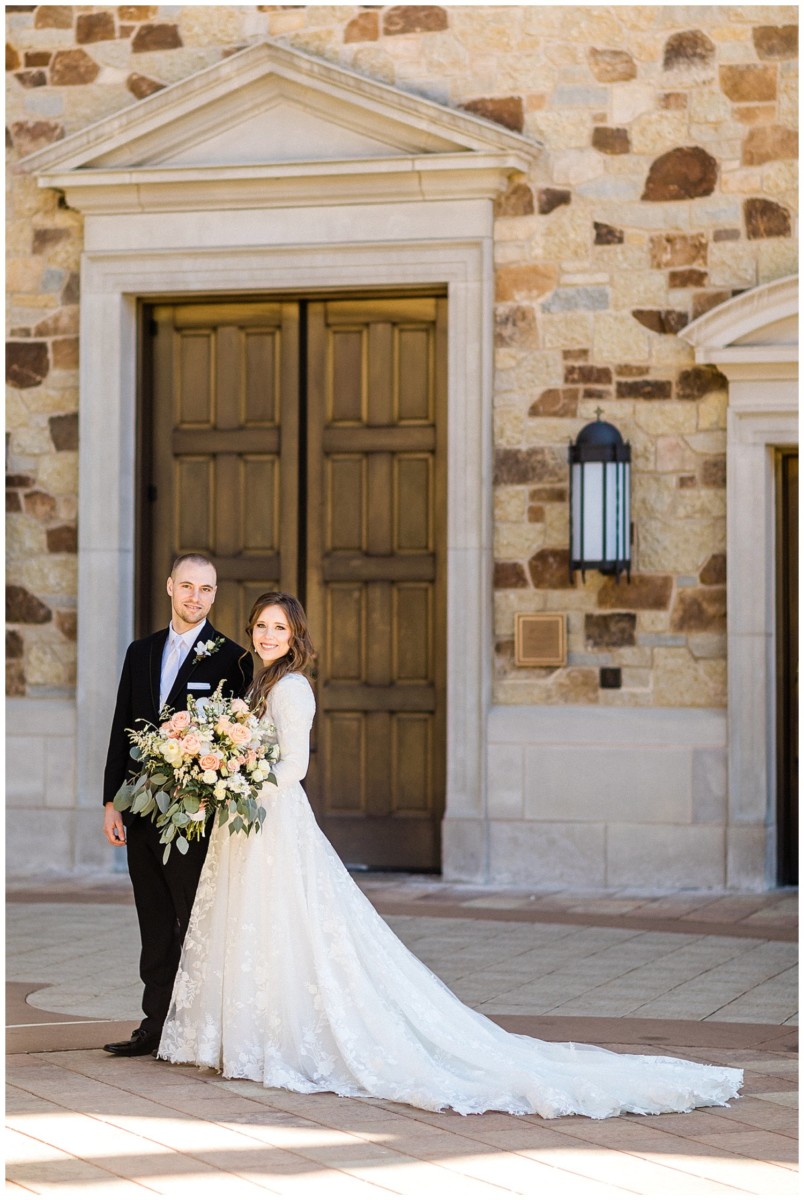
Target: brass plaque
(540, 640)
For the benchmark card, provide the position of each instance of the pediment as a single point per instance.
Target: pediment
(270, 107)
(754, 331)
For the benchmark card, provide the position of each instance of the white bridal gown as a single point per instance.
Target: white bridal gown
(290, 977)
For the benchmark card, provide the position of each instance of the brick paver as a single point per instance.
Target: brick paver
(700, 975)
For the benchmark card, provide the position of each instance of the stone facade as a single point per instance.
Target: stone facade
(666, 186)
(670, 187)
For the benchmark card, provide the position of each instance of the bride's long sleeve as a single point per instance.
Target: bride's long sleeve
(293, 709)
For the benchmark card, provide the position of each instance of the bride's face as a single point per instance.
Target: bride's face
(271, 634)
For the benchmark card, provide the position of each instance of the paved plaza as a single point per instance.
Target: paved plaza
(705, 976)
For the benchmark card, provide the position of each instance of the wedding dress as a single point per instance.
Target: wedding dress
(291, 978)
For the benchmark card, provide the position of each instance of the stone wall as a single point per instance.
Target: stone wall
(668, 184)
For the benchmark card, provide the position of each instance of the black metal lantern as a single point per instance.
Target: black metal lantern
(600, 501)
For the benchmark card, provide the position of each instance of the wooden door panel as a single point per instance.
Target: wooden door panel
(412, 768)
(376, 409)
(414, 649)
(193, 385)
(224, 452)
(414, 509)
(342, 750)
(346, 492)
(344, 643)
(263, 380)
(194, 501)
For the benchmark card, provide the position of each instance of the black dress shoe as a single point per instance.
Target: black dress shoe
(140, 1042)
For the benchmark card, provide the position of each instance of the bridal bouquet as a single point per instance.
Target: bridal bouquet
(215, 756)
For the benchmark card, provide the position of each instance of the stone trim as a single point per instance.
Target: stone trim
(111, 281)
(141, 159)
(431, 127)
(746, 319)
(753, 340)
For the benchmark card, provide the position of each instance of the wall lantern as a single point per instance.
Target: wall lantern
(600, 501)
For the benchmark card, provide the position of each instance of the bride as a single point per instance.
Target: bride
(289, 976)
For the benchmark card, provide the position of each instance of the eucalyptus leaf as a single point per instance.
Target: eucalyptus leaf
(135, 753)
(140, 800)
(166, 855)
(159, 779)
(163, 801)
(182, 844)
(223, 816)
(123, 797)
(181, 819)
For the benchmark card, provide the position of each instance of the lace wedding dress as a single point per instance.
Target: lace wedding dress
(290, 977)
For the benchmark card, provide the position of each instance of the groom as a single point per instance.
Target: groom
(187, 658)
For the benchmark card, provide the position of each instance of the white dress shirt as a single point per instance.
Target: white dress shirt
(177, 647)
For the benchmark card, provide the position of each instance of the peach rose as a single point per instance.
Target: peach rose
(251, 757)
(233, 764)
(239, 706)
(191, 743)
(239, 735)
(224, 726)
(180, 720)
(210, 762)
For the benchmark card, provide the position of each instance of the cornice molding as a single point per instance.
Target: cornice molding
(273, 126)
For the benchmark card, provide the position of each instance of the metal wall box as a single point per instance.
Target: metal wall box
(540, 640)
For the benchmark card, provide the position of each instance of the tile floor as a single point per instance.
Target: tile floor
(700, 975)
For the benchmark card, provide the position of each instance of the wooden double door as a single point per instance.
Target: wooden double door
(301, 444)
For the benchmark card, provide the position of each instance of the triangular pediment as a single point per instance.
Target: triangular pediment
(271, 105)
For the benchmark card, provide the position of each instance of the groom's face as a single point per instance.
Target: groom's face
(192, 594)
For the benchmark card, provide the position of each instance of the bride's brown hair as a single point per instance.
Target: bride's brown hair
(299, 655)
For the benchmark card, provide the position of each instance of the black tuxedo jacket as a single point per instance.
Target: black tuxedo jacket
(138, 693)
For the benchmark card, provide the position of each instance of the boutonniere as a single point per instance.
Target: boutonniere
(205, 649)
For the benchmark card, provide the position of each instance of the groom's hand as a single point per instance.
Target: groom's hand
(113, 826)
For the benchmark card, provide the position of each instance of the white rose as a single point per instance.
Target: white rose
(257, 775)
(219, 791)
(209, 777)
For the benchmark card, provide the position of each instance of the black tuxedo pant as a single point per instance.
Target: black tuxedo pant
(164, 896)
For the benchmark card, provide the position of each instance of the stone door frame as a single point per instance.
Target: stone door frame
(753, 340)
(112, 283)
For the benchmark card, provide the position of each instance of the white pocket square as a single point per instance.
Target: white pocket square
(199, 687)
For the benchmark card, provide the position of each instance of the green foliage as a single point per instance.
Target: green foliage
(123, 798)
